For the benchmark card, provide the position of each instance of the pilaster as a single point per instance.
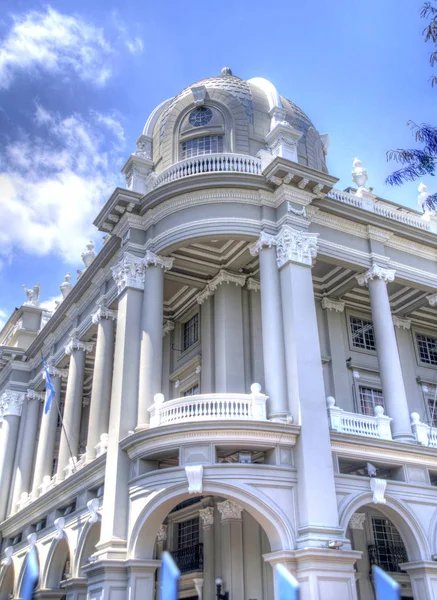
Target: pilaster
(207, 522)
(423, 577)
(232, 548)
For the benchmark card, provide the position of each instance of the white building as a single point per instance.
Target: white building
(196, 361)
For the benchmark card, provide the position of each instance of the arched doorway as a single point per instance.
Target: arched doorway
(7, 583)
(86, 547)
(58, 568)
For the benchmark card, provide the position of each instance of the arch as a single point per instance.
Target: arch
(269, 90)
(86, 546)
(7, 582)
(405, 522)
(277, 527)
(58, 554)
(153, 118)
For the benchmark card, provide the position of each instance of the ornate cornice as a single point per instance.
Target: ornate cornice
(128, 273)
(207, 516)
(253, 285)
(155, 260)
(11, 403)
(401, 322)
(168, 326)
(293, 245)
(265, 239)
(229, 510)
(329, 304)
(103, 313)
(376, 272)
(75, 344)
(222, 277)
(33, 395)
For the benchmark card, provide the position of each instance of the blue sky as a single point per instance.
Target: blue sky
(79, 79)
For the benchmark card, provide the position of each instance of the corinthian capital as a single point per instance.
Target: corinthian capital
(34, 395)
(222, 276)
(103, 313)
(129, 272)
(264, 240)
(11, 403)
(75, 344)
(293, 245)
(157, 261)
(229, 510)
(376, 272)
(55, 372)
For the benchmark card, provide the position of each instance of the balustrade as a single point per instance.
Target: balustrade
(358, 424)
(425, 435)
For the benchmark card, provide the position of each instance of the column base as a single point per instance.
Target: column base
(141, 578)
(423, 577)
(113, 549)
(281, 418)
(76, 588)
(319, 537)
(107, 579)
(406, 438)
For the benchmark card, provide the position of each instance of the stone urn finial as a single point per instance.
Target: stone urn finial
(66, 286)
(359, 175)
(89, 255)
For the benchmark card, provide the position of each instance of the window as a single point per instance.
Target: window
(388, 550)
(191, 332)
(362, 333)
(188, 533)
(369, 398)
(427, 347)
(200, 116)
(207, 144)
(193, 391)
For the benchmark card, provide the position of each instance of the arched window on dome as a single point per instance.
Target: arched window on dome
(202, 131)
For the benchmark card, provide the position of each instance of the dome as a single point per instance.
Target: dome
(226, 114)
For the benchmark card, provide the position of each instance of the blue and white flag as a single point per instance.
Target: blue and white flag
(31, 574)
(50, 390)
(169, 578)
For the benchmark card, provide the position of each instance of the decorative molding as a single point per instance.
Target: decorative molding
(168, 326)
(9, 551)
(207, 516)
(33, 395)
(357, 521)
(330, 304)
(128, 273)
(223, 276)
(293, 245)
(378, 487)
(253, 285)
(198, 586)
(194, 475)
(93, 507)
(161, 536)
(11, 403)
(103, 313)
(59, 524)
(376, 272)
(300, 212)
(229, 510)
(55, 372)
(32, 540)
(155, 260)
(401, 322)
(75, 344)
(265, 239)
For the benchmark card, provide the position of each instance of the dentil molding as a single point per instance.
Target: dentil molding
(11, 403)
(376, 272)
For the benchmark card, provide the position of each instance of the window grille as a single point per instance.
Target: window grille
(188, 533)
(206, 144)
(369, 398)
(193, 391)
(191, 331)
(388, 551)
(362, 333)
(427, 347)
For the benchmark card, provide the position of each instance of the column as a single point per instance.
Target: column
(207, 346)
(207, 522)
(102, 378)
(272, 327)
(129, 277)
(151, 340)
(11, 404)
(47, 434)
(342, 391)
(393, 389)
(360, 543)
(232, 548)
(69, 443)
(408, 361)
(23, 472)
(166, 357)
(256, 340)
(318, 521)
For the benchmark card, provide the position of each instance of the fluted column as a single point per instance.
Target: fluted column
(11, 404)
(102, 378)
(272, 328)
(69, 444)
(150, 382)
(23, 472)
(47, 434)
(318, 521)
(393, 388)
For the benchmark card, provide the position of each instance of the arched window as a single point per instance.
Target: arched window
(206, 144)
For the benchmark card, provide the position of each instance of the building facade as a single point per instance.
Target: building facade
(245, 374)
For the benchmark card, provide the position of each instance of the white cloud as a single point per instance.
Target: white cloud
(57, 43)
(135, 46)
(55, 185)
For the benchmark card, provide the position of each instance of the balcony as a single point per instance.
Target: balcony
(387, 556)
(209, 407)
(212, 163)
(189, 559)
(425, 434)
(358, 424)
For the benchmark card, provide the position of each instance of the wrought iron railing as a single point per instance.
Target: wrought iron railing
(387, 556)
(189, 559)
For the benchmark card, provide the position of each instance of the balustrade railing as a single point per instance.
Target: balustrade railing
(189, 559)
(209, 407)
(358, 424)
(210, 163)
(425, 435)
